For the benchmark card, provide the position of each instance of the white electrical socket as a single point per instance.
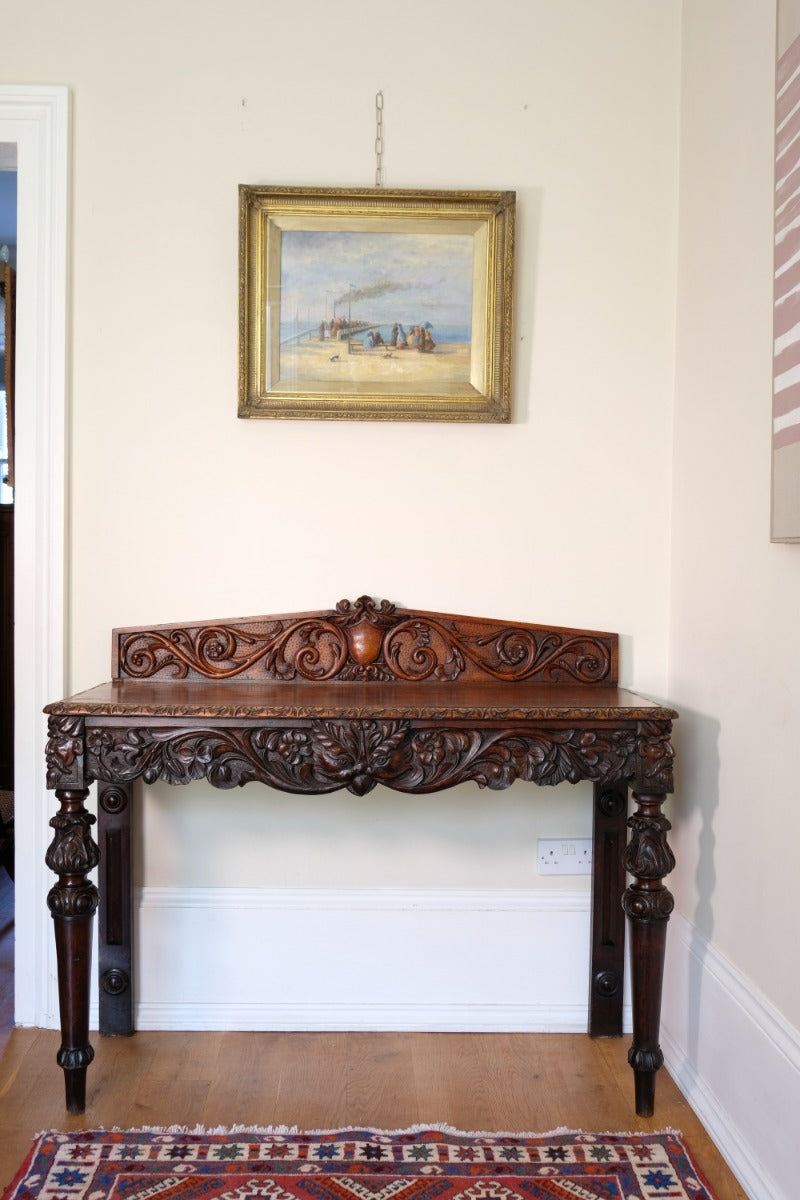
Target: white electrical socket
(565, 856)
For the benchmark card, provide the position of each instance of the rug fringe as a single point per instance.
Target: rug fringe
(424, 1127)
(444, 1127)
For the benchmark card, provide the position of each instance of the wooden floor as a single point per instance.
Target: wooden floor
(492, 1082)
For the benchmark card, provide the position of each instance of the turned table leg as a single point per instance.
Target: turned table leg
(648, 905)
(72, 902)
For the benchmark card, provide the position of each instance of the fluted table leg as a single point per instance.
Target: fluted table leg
(648, 905)
(72, 902)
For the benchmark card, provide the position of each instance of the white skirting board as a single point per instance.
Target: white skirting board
(381, 959)
(459, 960)
(737, 1061)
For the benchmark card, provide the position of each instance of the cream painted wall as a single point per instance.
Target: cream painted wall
(178, 510)
(735, 641)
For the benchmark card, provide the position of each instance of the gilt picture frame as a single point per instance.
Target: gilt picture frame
(375, 304)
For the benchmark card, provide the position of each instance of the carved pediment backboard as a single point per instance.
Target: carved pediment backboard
(366, 640)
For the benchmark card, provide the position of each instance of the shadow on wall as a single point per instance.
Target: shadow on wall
(697, 793)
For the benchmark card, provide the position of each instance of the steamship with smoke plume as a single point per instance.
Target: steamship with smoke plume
(338, 323)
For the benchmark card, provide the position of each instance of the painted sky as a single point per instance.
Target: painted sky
(384, 277)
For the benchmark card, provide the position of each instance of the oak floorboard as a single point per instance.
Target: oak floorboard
(493, 1082)
(504, 1082)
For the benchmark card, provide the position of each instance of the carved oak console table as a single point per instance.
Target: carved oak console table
(365, 694)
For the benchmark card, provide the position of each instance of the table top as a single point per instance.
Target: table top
(248, 699)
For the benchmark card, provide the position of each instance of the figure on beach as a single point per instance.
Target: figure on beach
(418, 337)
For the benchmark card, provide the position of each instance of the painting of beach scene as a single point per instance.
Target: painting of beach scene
(375, 304)
(377, 308)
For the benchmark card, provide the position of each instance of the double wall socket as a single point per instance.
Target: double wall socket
(565, 856)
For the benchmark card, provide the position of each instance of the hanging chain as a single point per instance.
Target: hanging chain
(378, 138)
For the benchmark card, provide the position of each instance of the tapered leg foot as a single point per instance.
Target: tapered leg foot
(74, 1064)
(645, 1088)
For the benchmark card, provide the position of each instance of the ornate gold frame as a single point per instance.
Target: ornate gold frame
(482, 390)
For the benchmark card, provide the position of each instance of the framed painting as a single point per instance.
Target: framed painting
(375, 304)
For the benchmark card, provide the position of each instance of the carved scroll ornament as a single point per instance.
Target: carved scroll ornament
(366, 641)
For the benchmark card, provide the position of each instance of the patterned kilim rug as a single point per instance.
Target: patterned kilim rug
(427, 1163)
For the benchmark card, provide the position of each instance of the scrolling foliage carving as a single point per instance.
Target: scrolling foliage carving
(367, 641)
(323, 756)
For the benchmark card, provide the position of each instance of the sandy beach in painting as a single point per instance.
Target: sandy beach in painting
(307, 365)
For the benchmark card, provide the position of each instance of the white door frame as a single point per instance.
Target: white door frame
(37, 119)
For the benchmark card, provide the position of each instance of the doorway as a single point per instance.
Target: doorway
(35, 119)
(8, 262)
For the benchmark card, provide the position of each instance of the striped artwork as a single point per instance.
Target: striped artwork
(786, 368)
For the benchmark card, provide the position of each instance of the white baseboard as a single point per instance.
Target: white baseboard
(737, 1061)
(459, 960)
(381, 959)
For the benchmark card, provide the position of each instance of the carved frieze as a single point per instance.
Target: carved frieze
(322, 756)
(363, 640)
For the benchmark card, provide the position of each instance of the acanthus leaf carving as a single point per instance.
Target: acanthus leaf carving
(72, 854)
(648, 855)
(73, 850)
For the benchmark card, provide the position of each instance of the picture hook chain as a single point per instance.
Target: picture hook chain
(378, 138)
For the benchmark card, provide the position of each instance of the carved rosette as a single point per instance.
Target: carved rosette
(115, 981)
(323, 756)
(364, 640)
(64, 752)
(112, 800)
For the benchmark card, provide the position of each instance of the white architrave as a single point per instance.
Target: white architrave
(36, 118)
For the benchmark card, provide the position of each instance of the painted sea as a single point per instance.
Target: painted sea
(293, 331)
